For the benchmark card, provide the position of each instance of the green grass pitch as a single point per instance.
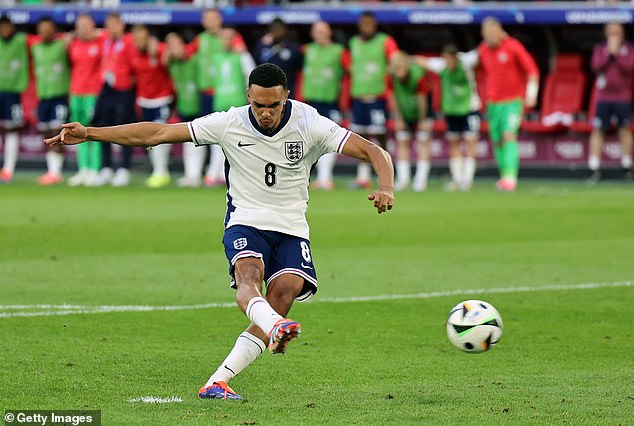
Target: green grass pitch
(565, 357)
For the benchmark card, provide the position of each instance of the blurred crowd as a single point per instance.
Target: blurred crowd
(117, 75)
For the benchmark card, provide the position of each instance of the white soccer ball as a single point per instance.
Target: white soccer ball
(474, 326)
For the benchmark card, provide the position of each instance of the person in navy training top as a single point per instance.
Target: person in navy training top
(277, 48)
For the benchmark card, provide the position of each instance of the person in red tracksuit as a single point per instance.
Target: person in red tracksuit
(512, 82)
(155, 94)
(115, 104)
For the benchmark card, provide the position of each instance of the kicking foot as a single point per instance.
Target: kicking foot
(218, 390)
(282, 334)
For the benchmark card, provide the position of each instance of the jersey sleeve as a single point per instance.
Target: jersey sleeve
(390, 47)
(210, 129)
(525, 59)
(328, 135)
(469, 59)
(436, 65)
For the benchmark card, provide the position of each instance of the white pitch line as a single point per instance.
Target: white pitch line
(156, 399)
(384, 297)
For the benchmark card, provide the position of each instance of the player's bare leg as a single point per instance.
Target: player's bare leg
(594, 160)
(423, 164)
(253, 341)
(249, 273)
(625, 136)
(456, 166)
(469, 160)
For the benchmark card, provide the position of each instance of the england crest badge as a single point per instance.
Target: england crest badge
(294, 151)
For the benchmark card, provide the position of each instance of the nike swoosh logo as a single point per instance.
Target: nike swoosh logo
(242, 144)
(306, 266)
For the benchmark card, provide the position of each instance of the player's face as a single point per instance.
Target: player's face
(46, 30)
(400, 67)
(175, 45)
(321, 32)
(492, 34)
(451, 60)
(614, 30)
(278, 31)
(6, 29)
(141, 38)
(114, 26)
(267, 104)
(85, 27)
(212, 21)
(367, 26)
(226, 35)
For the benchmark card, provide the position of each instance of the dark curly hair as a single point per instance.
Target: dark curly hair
(268, 75)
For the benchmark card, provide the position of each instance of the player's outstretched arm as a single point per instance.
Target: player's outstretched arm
(362, 149)
(136, 134)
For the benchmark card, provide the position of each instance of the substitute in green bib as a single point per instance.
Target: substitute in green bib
(183, 71)
(460, 105)
(409, 97)
(52, 78)
(205, 46)
(14, 78)
(370, 52)
(324, 63)
(231, 68)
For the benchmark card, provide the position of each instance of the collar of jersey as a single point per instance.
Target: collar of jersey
(287, 116)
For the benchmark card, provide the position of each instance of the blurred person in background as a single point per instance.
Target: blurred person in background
(154, 95)
(52, 78)
(205, 46)
(460, 105)
(613, 62)
(278, 48)
(507, 65)
(232, 67)
(370, 53)
(14, 79)
(324, 64)
(410, 112)
(84, 52)
(115, 103)
(183, 71)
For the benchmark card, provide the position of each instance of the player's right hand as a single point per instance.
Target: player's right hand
(383, 200)
(71, 134)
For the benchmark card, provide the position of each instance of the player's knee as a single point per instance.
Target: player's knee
(249, 272)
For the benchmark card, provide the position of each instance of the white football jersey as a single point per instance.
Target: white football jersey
(268, 175)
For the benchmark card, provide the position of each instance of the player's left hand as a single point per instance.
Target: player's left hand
(383, 200)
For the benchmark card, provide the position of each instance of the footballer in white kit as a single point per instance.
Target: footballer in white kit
(269, 189)
(270, 146)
